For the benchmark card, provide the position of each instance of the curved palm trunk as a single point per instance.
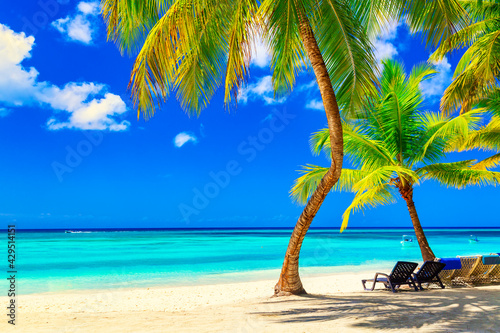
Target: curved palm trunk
(289, 281)
(407, 194)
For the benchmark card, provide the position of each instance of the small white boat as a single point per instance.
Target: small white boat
(408, 240)
(473, 239)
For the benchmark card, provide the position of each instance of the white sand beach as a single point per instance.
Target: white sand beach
(335, 303)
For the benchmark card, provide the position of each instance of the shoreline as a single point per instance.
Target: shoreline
(335, 303)
(231, 278)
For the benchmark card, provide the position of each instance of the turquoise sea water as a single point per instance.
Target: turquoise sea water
(57, 261)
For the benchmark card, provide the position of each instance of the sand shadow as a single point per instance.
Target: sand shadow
(456, 310)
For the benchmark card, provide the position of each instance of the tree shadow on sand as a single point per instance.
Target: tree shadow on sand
(449, 310)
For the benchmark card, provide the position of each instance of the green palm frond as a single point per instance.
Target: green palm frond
(436, 19)
(376, 15)
(463, 38)
(319, 141)
(491, 102)
(440, 129)
(374, 152)
(306, 184)
(486, 51)
(157, 69)
(459, 174)
(191, 49)
(393, 118)
(283, 37)
(128, 22)
(243, 29)
(382, 194)
(488, 163)
(481, 9)
(464, 91)
(479, 68)
(419, 73)
(486, 138)
(384, 175)
(348, 57)
(355, 140)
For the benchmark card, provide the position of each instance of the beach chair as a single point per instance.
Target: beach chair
(452, 269)
(428, 273)
(480, 270)
(401, 274)
(471, 270)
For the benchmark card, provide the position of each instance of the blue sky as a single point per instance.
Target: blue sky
(74, 154)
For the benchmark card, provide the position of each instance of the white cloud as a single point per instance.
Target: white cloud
(16, 82)
(315, 105)
(88, 8)
(434, 87)
(262, 89)
(78, 27)
(260, 55)
(95, 114)
(383, 48)
(78, 105)
(183, 138)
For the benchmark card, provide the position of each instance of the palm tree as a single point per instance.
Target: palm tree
(395, 146)
(479, 68)
(193, 47)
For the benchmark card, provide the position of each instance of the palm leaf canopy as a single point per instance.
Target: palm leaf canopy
(395, 143)
(192, 48)
(479, 68)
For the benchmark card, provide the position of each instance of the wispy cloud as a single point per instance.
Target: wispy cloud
(383, 48)
(310, 86)
(184, 137)
(315, 105)
(77, 105)
(262, 89)
(260, 55)
(434, 87)
(79, 26)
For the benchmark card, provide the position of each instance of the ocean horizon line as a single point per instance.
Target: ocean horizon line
(238, 228)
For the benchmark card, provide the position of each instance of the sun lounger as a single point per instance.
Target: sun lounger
(452, 268)
(491, 260)
(472, 270)
(401, 274)
(428, 273)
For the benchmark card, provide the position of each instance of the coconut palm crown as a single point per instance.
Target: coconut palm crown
(395, 145)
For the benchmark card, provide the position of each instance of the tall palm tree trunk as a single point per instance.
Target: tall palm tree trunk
(425, 249)
(289, 281)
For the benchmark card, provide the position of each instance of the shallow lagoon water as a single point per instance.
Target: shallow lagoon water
(54, 261)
